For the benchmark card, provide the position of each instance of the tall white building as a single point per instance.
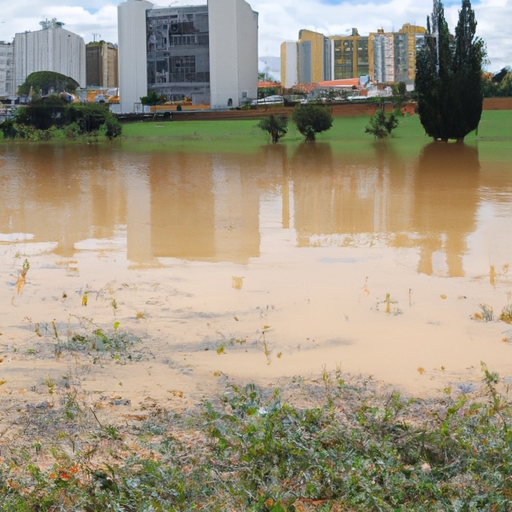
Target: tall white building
(233, 52)
(132, 53)
(6, 69)
(206, 53)
(289, 64)
(51, 49)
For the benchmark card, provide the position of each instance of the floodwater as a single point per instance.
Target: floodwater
(284, 262)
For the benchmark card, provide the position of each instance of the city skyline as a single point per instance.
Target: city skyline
(97, 20)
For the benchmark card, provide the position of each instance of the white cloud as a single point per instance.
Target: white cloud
(279, 21)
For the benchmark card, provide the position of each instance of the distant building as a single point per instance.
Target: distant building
(207, 53)
(101, 65)
(383, 45)
(351, 56)
(313, 57)
(395, 54)
(289, 71)
(386, 57)
(51, 49)
(6, 70)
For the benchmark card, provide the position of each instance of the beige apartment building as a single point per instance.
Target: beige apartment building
(101, 65)
(386, 57)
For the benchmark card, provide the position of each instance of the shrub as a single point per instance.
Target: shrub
(8, 128)
(275, 126)
(312, 119)
(382, 124)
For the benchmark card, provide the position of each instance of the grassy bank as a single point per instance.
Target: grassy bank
(335, 444)
(347, 135)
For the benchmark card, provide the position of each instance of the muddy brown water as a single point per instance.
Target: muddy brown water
(275, 264)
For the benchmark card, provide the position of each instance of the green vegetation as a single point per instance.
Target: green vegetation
(499, 86)
(42, 120)
(152, 99)
(448, 76)
(346, 136)
(333, 444)
(312, 119)
(275, 126)
(42, 83)
(382, 124)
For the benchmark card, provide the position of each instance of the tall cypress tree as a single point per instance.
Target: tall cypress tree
(448, 72)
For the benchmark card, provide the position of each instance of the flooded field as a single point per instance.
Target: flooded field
(286, 262)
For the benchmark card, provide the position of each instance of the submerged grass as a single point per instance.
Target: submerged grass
(335, 444)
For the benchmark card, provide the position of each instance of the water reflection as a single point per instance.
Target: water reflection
(60, 194)
(207, 207)
(446, 200)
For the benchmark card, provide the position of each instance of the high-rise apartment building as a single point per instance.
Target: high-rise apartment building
(384, 56)
(51, 49)
(6, 69)
(394, 54)
(351, 56)
(207, 53)
(101, 64)
(313, 57)
(383, 46)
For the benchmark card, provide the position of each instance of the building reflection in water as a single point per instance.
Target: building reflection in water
(60, 194)
(383, 199)
(446, 201)
(207, 207)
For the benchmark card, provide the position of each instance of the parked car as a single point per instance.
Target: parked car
(269, 100)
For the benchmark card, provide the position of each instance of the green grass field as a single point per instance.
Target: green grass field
(347, 135)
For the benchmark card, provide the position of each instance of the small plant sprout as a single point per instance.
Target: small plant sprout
(486, 313)
(390, 305)
(22, 278)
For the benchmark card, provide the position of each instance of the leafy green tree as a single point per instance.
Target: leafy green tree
(46, 115)
(152, 98)
(42, 114)
(382, 124)
(448, 76)
(46, 82)
(275, 126)
(92, 117)
(499, 85)
(312, 119)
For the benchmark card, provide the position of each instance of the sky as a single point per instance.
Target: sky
(279, 20)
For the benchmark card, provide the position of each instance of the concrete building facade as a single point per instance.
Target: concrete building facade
(208, 54)
(395, 54)
(6, 70)
(313, 57)
(233, 29)
(132, 41)
(51, 49)
(351, 56)
(101, 65)
(386, 57)
(289, 72)
(178, 53)
(383, 46)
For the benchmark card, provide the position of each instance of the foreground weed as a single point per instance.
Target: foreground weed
(333, 444)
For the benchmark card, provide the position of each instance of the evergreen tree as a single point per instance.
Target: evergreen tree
(448, 76)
